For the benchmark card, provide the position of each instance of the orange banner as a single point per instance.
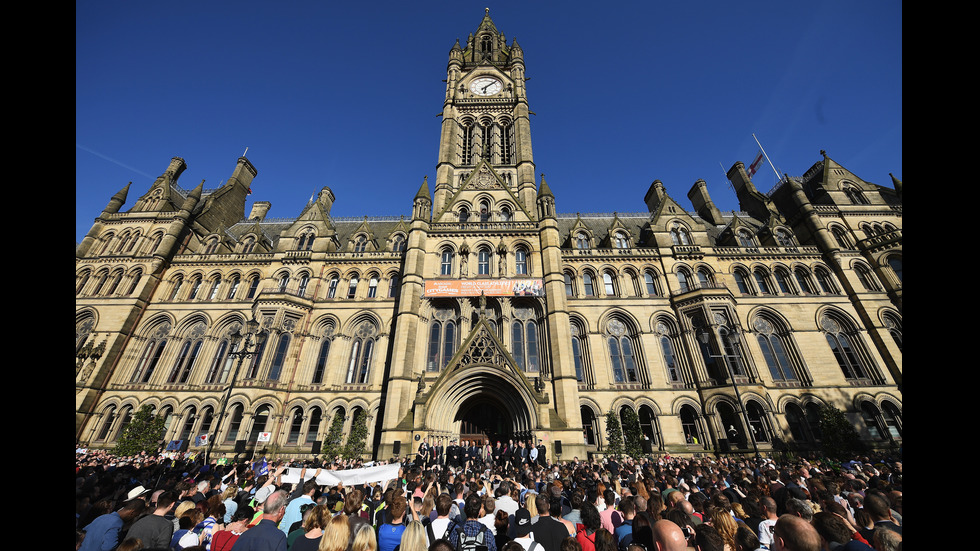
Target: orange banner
(489, 287)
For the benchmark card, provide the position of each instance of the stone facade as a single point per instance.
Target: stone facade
(487, 314)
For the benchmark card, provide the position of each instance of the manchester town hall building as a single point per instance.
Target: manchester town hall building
(486, 314)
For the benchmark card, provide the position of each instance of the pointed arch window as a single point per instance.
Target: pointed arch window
(587, 282)
(608, 283)
(279, 359)
(149, 360)
(620, 240)
(304, 282)
(870, 415)
(741, 282)
(352, 287)
(840, 235)
(295, 427)
(578, 354)
(393, 286)
(582, 241)
(332, 286)
(667, 335)
(108, 417)
(398, 243)
(679, 235)
(689, 424)
(446, 262)
(316, 417)
(195, 287)
(283, 282)
(843, 349)
(235, 423)
(774, 351)
(190, 417)
(893, 419)
(442, 339)
(321, 361)
(483, 261)
(569, 286)
(867, 279)
(621, 354)
(185, 362)
(362, 353)
(253, 287)
(520, 261)
(174, 289)
(759, 422)
(762, 280)
(826, 281)
(220, 357)
(895, 262)
(526, 340)
(683, 279)
(505, 214)
(373, 287)
(803, 280)
(782, 281)
(651, 283)
(745, 239)
(233, 288)
(253, 367)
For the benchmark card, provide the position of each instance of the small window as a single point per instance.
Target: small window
(352, 288)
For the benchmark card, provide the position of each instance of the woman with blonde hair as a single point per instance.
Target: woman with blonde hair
(336, 534)
(365, 539)
(531, 504)
(314, 523)
(414, 538)
(724, 523)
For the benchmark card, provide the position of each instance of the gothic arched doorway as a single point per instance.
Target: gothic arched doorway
(479, 404)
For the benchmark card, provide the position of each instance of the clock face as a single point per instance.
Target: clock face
(486, 86)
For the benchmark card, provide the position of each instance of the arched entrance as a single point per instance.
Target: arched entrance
(480, 404)
(482, 419)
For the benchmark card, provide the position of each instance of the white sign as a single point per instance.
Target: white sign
(265, 436)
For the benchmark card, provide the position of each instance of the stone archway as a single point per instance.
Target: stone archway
(487, 401)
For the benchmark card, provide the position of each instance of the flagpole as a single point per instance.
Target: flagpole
(766, 156)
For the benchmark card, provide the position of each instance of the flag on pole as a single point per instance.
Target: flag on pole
(754, 167)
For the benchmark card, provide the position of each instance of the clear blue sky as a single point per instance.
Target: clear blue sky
(346, 95)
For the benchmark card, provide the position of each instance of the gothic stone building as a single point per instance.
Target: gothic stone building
(486, 314)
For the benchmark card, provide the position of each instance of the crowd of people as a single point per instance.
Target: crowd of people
(471, 498)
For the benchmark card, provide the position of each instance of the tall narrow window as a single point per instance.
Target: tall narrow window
(621, 352)
(393, 286)
(650, 283)
(446, 263)
(332, 287)
(524, 334)
(483, 261)
(373, 287)
(587, 282)
(316, 417)
(360, 244)
(569, 289)
(219, 359)
(577, 357)
(253, 286)
(304, 282)
(279, 359)
(762, 280)
(803, 280)
(844, 353)
(740, 282)
(148, 361)
(442, 339)
(362, 352)
(684, 281)
(352, 287)
(782, 280)
(608, 285)
(520, 261)
(321, 362)
(775, 355)
(195, 288)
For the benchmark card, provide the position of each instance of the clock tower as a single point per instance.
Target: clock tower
(484, 123)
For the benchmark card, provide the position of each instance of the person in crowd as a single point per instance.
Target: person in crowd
(103, 533)
(224, 540)
(266, 535)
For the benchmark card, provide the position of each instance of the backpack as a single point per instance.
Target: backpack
(477, 542)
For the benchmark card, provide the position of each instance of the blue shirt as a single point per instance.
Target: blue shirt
(102, 534)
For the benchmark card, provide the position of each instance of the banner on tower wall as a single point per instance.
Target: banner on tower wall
(490, 287)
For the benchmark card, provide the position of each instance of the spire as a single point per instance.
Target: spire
(897, 184)
(424, 190)
(118, 200)
(544, 190)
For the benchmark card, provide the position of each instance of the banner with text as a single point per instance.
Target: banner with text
(350, 477)
(489, 287)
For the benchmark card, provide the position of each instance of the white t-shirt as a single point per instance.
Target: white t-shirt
(766, 529)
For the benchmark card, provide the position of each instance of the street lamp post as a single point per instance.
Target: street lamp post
(243, 348)
(704, 336)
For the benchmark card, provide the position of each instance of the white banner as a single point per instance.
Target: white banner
(349, 477)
